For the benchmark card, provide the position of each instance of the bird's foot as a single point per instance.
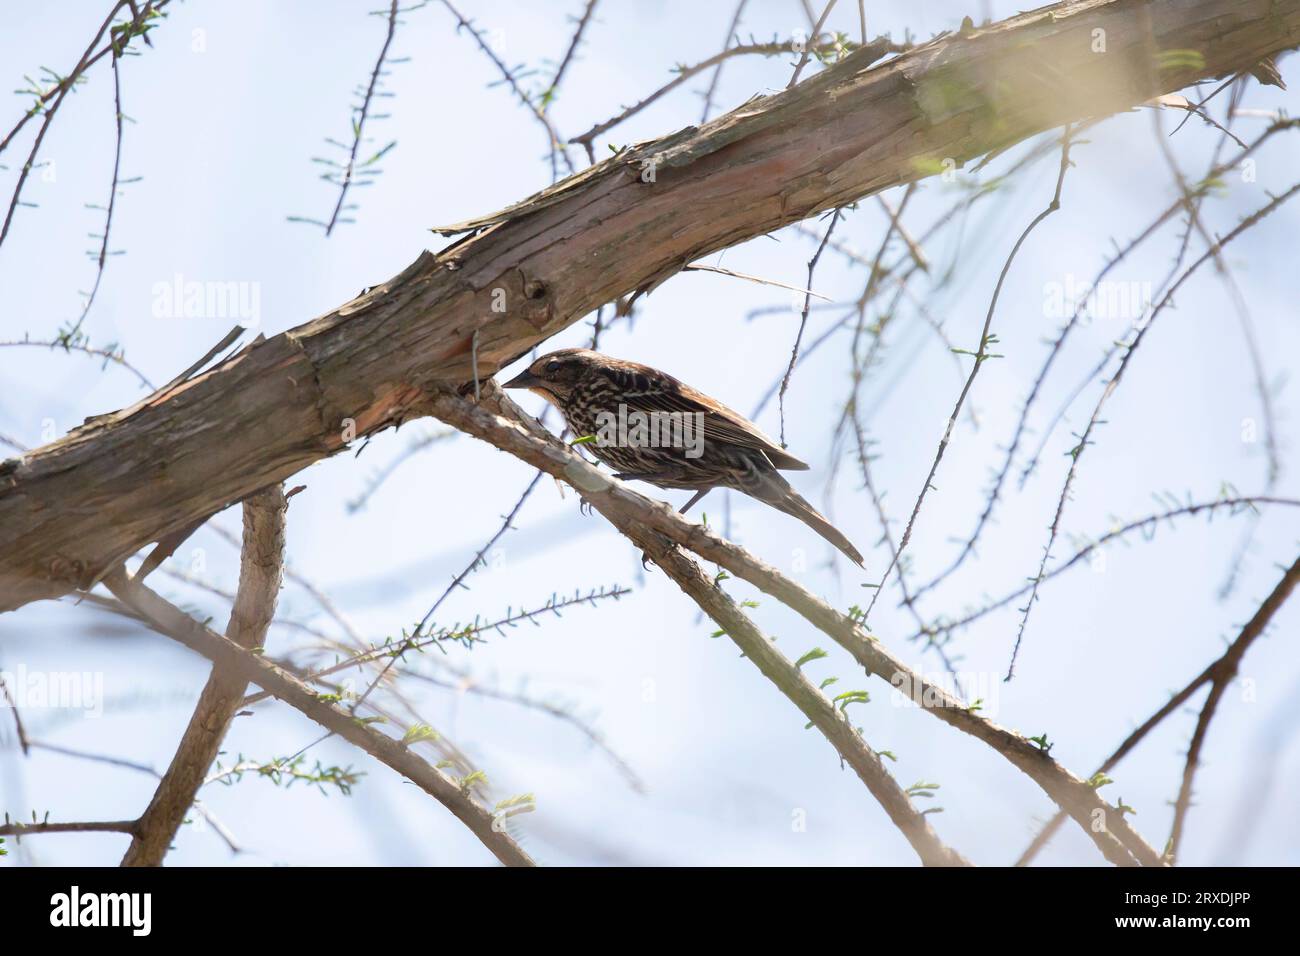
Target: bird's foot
(584, 507)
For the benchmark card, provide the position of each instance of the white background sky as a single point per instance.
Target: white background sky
(223, 140)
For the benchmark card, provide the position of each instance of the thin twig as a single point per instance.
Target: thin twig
(101, 826)
(102, 259)
(414, 448)
(684, 73)
(116, 357)
(23, 742)
(137, 26)
(1219, 673)
(700, 267)
(979, 357)
(717, 69)
(816, 32)
(556, 141)
(457, 581)
(803, 317)
(1224, 673)
(465, 683)
(583, 21)
(1147, 525)
(359, 121)
(467, 634)
(1076, 454)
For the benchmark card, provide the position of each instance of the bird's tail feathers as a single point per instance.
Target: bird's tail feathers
(792, 503)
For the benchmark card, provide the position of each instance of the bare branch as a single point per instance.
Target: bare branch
(717, 69)
(359, 120)
(141, 22)
(1224, 671)
(1219, 674)
(555, 140)
(833, 723)
(12, 704)
(106, 826)
(803, 317)
(879, 47)
(260, 572)
(598, 236)
(1234, 503)
(979, 357)
(77, 343)
(1105, 825)
(816, 30)
(179, 626)
(700, 267)
(574, 43)
(466, 683)
(1085, 439)
(102, 259)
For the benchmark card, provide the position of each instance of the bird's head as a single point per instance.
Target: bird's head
(555, 375)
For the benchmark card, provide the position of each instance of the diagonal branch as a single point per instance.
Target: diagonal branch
(555, 142)
(879, 48)
(789, 679)
(816, 30)
(260, 572)
(142, 21)
(1219, 674)
(360, 116)
(1096, 420)
(717, 69)
(1223, 672)
(1104, 824)
(174, 623)
(979, 356)
(572, 48)
(820, 711)
(1146, 525)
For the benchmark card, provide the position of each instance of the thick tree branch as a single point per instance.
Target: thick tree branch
(75, 509)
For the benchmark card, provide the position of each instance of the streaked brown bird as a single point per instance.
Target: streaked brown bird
(710, 446)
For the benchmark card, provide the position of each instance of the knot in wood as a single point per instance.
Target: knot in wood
(63, 568)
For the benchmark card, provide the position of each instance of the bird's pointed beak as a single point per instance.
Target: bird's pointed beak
(524, 379)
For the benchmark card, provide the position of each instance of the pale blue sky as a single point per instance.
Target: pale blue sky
(223, 141)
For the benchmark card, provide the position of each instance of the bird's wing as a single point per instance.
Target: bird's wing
(663, 393)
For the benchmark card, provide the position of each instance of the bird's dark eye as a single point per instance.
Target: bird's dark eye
(552, 367)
